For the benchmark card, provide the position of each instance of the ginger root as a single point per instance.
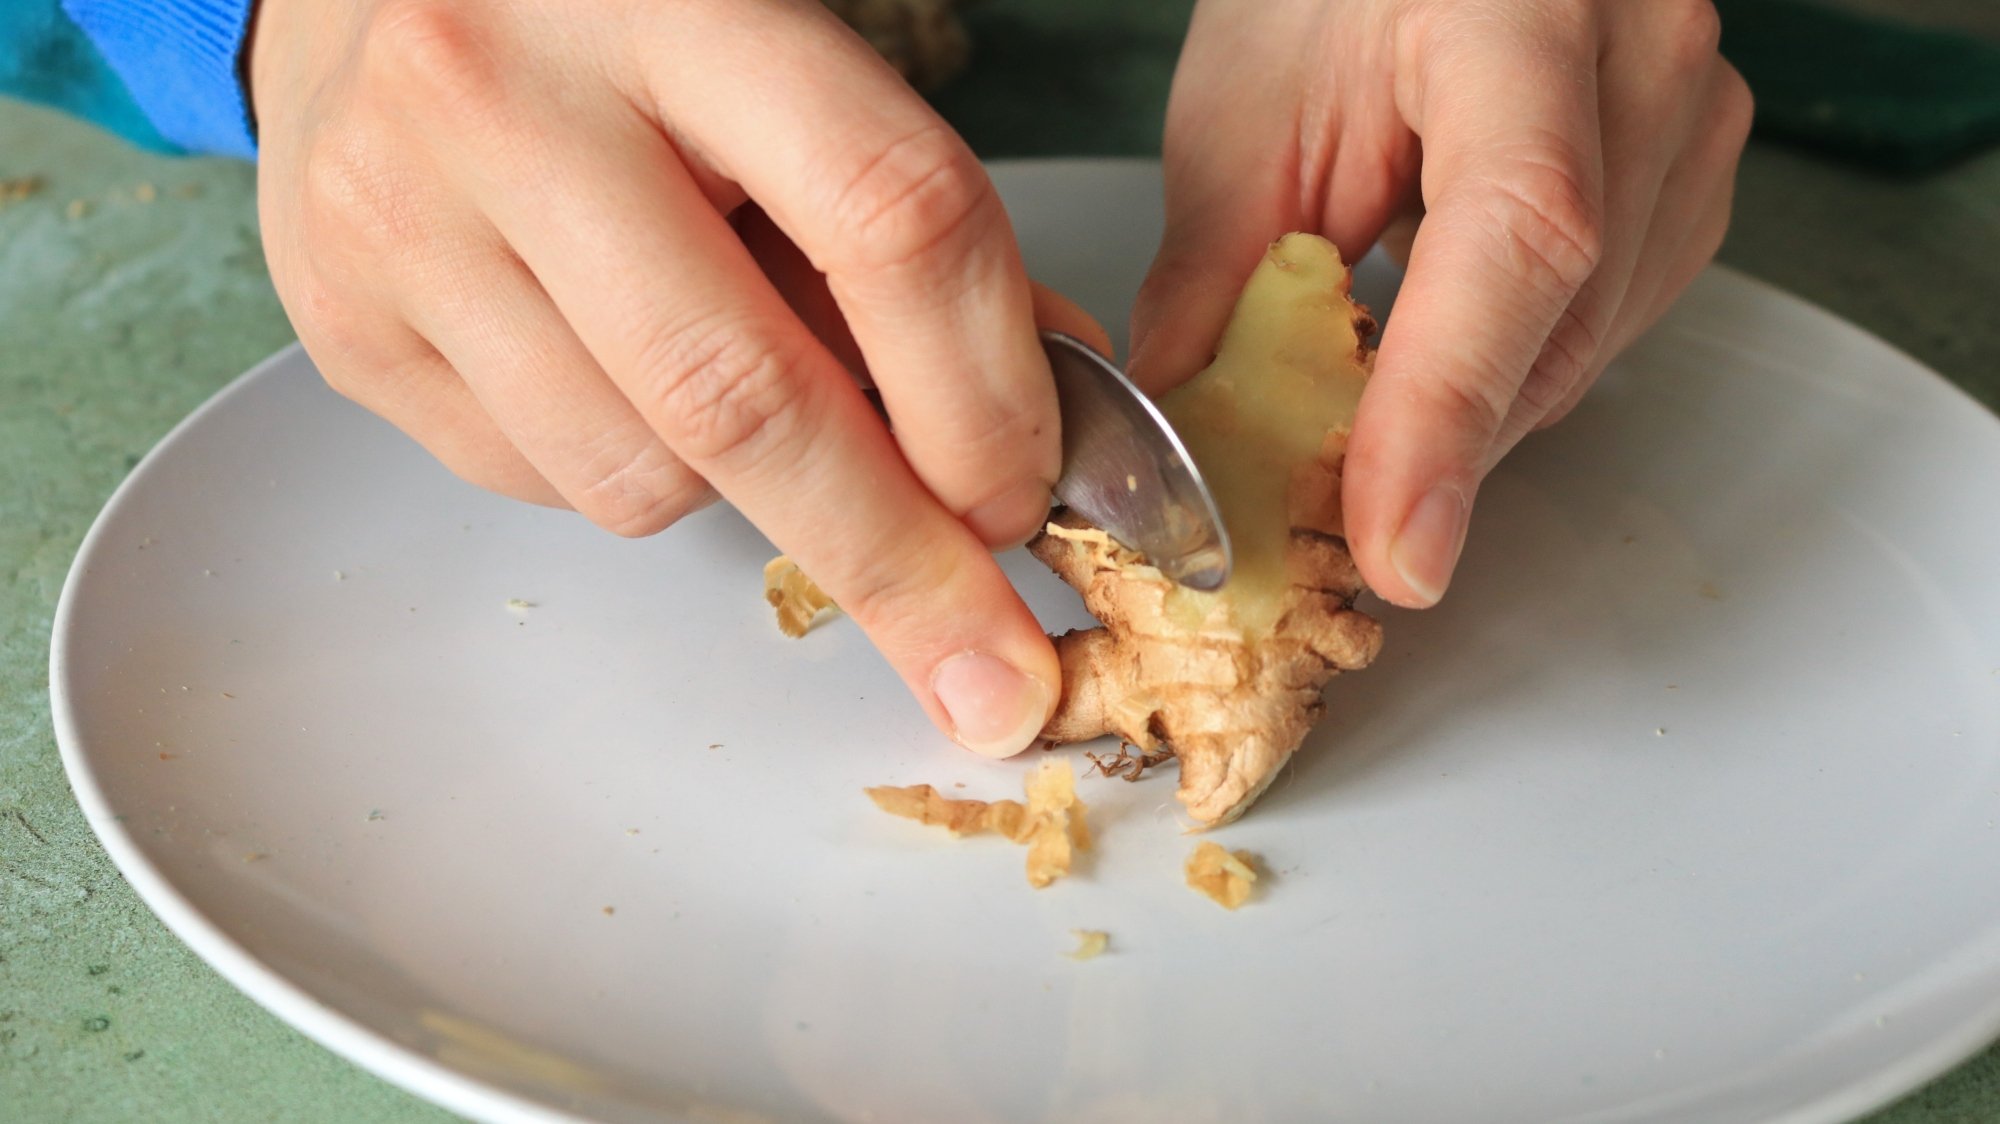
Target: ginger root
(1227, 682)
(1230, 681)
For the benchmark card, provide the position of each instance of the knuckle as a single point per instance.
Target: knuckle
(921, 199)
(341, 175)
(725, 390)
(1552, 225)
(1546, 386)
(1479, 405)
(356, 194)
(1564, 406)
(641, 517)
(333, 326)
(1736, 109)
(1011, 450)
(640, 495)
(428, 55)
(1691, 31)
(1567, 354)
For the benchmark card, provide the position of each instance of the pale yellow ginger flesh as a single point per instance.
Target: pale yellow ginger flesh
(1090, 944)
(1052, 823)
(1230, 682)
(797, 599)
(1287, 375)
(1224, 877)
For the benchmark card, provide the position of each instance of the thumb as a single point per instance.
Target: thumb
(1185, 301)
(1249, 161)
(1230, 162)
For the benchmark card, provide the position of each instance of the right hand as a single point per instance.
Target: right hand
(1572, 162)
(518, 230)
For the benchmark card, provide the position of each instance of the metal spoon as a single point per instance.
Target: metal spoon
(1125, 470)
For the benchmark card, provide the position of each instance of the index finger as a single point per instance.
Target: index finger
(1512, 183)
(675, 311)
(887, 201)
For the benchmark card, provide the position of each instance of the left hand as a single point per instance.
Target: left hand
(1573, 161)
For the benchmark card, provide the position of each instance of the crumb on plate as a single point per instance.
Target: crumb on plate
(1090, 944)
(1224, 877)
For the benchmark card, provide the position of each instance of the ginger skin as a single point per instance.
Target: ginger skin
(1233, 711)
(1202, 675)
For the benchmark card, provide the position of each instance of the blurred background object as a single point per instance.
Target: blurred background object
(133, 286)
(922, 39)
(1871, 81)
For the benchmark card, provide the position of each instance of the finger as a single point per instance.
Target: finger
(805, 290)
(1695, 208)
(754, 404)
(802, 286)
(367, 354)
(1687, 258)
(675, 311)
(1230, 176)
(1399, 234)
(1058, 313)
(1246, 162)
(1686, 248)
(1646, 119)
(1655, 55)
(1512, 183)
(1689, 219)
(424, 397)
(887, 201)
(490, 319)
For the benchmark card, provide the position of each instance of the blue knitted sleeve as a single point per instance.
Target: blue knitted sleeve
(179, 61)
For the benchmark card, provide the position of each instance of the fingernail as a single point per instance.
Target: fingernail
(1426, 550)
(995, 710)
(1012, 517)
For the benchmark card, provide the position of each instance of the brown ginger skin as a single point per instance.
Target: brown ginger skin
(1232, 710)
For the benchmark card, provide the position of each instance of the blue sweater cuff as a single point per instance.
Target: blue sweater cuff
(180, 60)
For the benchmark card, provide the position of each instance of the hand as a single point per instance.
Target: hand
(521, 231)
(1573, 162)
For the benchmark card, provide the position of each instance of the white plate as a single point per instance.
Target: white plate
(1685, 808)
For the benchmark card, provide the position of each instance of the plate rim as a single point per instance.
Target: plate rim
(453, 1089)
(264, 985)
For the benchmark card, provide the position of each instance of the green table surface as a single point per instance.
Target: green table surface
(132, 287)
